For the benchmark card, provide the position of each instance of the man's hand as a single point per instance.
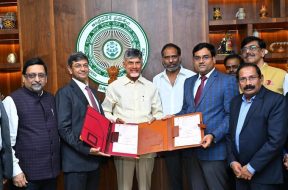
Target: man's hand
(285, 161)
(96, 152)
(167, 117)
(236, 167)
(245, 174)
(119, 121)
(207, 140)
(20, 180)
(151, 120)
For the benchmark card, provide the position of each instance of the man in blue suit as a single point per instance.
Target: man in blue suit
(257, 133)
(209, 92)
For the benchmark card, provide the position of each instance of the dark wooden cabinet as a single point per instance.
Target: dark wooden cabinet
(273, 29)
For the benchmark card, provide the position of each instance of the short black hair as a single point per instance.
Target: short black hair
(233, 56)
(249, 39)
(171, 45)
(34, 61)
(132, 53)
(77, 56)
(200, 46)
(248, 65)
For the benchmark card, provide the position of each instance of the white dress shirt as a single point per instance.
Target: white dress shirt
(172, 96)
(198, 81)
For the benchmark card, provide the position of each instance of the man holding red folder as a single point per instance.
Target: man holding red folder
(133, 99)
(80, 162)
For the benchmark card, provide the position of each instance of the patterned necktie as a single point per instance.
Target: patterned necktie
(92, 99)
(199, 90)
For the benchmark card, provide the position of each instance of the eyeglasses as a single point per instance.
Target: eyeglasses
(34, 75)
(170, 57)
(252, 48)
(204, 58)
(250, 78)
(79, 66)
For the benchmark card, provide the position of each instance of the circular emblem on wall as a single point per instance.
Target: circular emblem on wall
(105, 38)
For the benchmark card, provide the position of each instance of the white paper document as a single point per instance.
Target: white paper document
(127, 140)
(189, 131)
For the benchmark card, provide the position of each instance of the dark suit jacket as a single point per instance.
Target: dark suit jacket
(6, 151)
(262, 137)
(71, 106)
(214, 104)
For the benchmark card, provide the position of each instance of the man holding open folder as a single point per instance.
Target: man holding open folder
(133, 99)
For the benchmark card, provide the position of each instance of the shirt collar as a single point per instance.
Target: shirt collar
(181, 72)
(248, 101)
(207, 75)
(126, 80)
(80, 84)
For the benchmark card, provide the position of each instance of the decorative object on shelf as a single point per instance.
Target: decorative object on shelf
(217, 13)
(256, 33)
(278, 47)
(263, 12)
(241, 14)
(226, 46)
(9, 20)
(113, 72)
(12, 58)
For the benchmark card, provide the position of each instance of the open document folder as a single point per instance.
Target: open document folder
(132, 140)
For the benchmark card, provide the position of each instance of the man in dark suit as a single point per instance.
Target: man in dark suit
(257, 133)
(80, 162)
(209, 92)
(6, 166)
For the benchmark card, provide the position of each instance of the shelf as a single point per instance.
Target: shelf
(7, 67)
(9, 31)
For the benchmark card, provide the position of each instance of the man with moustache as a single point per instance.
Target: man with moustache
(209, 92)
(232, 62)
(170, 84)
(133, 99)
(33, 130)
(80, 162)
(253, 50)
(257, 133)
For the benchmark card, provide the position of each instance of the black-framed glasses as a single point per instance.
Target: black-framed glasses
(204, 58)
(34, 75)
(252, 48)
(250, 78)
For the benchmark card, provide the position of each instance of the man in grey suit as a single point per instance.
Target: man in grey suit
(80, 162)
(209, 92)
(6, 167)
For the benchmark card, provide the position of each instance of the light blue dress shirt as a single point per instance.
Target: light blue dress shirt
(245, 106)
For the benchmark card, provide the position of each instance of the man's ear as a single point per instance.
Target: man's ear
(69, 69)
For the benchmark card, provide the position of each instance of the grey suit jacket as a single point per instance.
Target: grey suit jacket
(6, 151)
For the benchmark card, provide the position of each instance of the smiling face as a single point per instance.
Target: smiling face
(79, 70)
(133, 68)
(171, 60)
(35, 78)
(249, 81)
(252, 53)
(203, 61)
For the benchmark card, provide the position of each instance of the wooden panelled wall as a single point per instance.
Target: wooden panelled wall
(49, 29)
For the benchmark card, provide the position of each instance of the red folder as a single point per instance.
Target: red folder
(158, 136)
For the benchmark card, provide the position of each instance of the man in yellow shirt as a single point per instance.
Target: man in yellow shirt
(253, 50)
(133, 99)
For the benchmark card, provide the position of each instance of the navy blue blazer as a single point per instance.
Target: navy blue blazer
(262, 137)
(71, 106)
(214, 104)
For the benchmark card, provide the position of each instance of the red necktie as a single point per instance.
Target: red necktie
(92, 99)
(199, 90)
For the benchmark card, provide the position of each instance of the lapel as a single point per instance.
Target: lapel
(257, 102)
(235, 114)
(79, 93)
(193, 80)
(207, 86)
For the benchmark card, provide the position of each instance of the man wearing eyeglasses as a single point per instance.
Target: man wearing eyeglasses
(253, 50)
(33, 131)
(209, 92)
(257, 132)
